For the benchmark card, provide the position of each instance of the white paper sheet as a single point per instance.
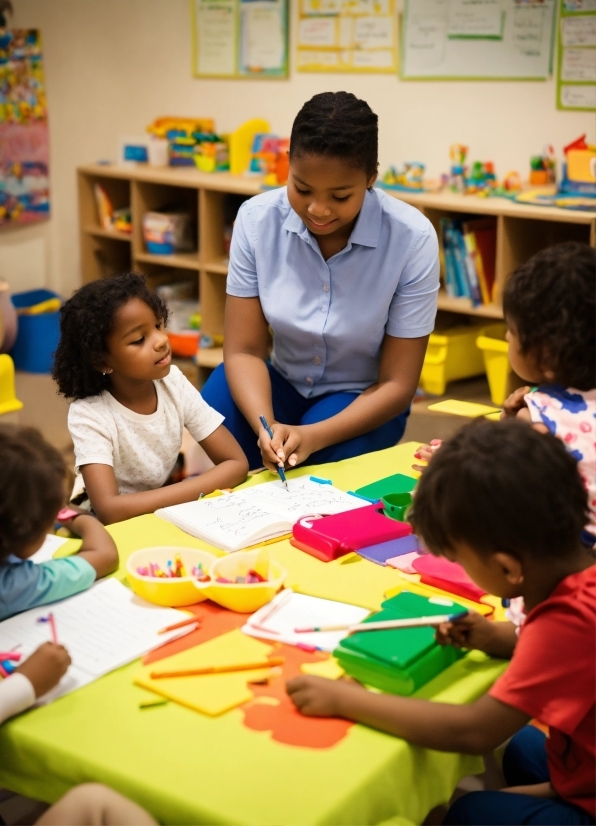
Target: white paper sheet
(216, 37)
(102, 629)
(475, 18)
(262, 35)
(578, 97)
(578, 65)
(48, 549)
(317, 32)
(578, 31)
(300, 611)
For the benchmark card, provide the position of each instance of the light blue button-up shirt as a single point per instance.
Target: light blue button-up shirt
(329, 317)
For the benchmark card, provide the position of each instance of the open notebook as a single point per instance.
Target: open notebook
(102, 629)
(237, 520)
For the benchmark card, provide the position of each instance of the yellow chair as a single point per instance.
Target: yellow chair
(8, 400)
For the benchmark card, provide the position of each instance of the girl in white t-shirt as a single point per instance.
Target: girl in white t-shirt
(131, 405)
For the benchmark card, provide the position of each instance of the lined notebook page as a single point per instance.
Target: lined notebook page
(239, 519)
(102, 629)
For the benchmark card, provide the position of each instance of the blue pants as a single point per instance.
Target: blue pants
(524, 763)
(291, 408)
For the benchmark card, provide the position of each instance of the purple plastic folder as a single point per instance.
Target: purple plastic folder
(394, 547)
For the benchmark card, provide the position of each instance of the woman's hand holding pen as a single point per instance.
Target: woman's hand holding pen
(290, 445)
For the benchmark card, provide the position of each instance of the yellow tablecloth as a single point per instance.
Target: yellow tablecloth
(186, 768)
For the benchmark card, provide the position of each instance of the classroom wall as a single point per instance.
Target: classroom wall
(112, 66)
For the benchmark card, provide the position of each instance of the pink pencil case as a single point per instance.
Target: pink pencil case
(448, 576)
(333, 536)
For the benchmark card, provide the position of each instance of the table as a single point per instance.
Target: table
(186, 768)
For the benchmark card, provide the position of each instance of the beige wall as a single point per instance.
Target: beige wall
(114, 65)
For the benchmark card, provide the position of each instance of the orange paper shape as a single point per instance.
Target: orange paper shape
(273, 711)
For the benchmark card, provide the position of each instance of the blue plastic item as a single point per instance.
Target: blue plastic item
(38, 335)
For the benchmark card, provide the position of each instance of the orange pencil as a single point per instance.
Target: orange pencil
(219, 669)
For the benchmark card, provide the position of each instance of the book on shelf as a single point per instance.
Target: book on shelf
(469, 253)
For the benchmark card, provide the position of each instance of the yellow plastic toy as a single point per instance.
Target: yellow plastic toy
(451, 355)
(494, 348)
(173, 593)
(8, 399)
(240, 142)
(161, 126)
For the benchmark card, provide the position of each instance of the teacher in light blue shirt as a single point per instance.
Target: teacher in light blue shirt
(345, 277)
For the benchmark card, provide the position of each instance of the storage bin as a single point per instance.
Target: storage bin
(451, 354)
(494, 349)
(38, 334)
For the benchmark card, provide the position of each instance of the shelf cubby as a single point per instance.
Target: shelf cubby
(213, 201)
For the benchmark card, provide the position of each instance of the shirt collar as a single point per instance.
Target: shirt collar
(367, 229)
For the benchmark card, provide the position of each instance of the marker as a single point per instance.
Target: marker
(321, 481)
(11, 655)
(176, 625)
(52, 622)
(3, 671)
(219, 669)
(280, 467)
(385, 625)
(153, 703)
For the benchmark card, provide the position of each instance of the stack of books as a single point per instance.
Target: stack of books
(469, 249)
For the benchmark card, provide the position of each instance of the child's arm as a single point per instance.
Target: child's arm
(425, 454)
(497, 639)
(38, 674)
(98, 547)
(477, 728)
(111, 506)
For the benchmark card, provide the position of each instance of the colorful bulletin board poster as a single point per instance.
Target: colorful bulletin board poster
(240, 38)
(576, 63)
(347, 36)
(477, 39)
(24, 142)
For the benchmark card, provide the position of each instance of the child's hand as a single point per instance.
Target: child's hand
(45, 667)
(425, 453)
(515, 402)
(471, 631)
(318, 697)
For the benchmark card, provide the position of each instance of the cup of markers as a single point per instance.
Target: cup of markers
(175, 577)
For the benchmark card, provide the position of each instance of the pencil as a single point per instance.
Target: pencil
(11, 655)
(386, 625)
(176, 625)
(218, 669)
(52, 622)
(280, 467)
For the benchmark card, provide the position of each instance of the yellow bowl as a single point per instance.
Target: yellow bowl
(245, 599)
(174, 592)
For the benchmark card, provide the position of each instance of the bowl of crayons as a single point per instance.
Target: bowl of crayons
(170, 576)
(245, 580)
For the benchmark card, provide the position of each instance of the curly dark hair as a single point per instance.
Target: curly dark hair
(502, 487)
(337, 125)
(32, 476)
(86, 322)
(551, 302)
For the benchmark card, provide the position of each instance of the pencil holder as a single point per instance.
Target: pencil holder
(175, 591)
(395, 505)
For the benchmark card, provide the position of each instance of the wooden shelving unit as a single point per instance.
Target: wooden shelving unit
(210, 198)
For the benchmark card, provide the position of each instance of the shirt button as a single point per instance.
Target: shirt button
(317, 360)
(325, 288)
(309, 380)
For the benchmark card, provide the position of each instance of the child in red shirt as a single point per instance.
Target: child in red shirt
(514, 526)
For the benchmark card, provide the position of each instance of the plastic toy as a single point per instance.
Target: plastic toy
(8, 399)
(543, 168)
(410, 178)
(482, 179)
(269, 157)
(579, 169)
(457, 174)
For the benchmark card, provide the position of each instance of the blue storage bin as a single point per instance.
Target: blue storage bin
(38, 335)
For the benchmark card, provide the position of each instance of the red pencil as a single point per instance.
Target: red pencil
(52, 622)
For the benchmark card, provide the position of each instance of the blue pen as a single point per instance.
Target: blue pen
(280, 467)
